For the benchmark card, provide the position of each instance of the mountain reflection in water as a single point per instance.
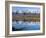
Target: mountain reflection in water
(23, 26)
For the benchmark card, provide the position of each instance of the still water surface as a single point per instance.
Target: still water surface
(23, 26)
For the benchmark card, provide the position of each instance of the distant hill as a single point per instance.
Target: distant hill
(26, 16)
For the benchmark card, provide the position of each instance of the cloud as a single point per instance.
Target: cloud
(26, 9)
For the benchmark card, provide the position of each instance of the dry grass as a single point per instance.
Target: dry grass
(27, 18)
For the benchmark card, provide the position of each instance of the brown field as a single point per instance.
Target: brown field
(26, 18)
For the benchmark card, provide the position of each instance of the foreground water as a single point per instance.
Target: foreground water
(23, 26)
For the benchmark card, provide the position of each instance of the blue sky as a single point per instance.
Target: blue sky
(31, 9)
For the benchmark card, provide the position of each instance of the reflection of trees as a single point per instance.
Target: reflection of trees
(15, 29)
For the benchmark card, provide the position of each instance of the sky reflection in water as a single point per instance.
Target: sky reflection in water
(21, 25)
